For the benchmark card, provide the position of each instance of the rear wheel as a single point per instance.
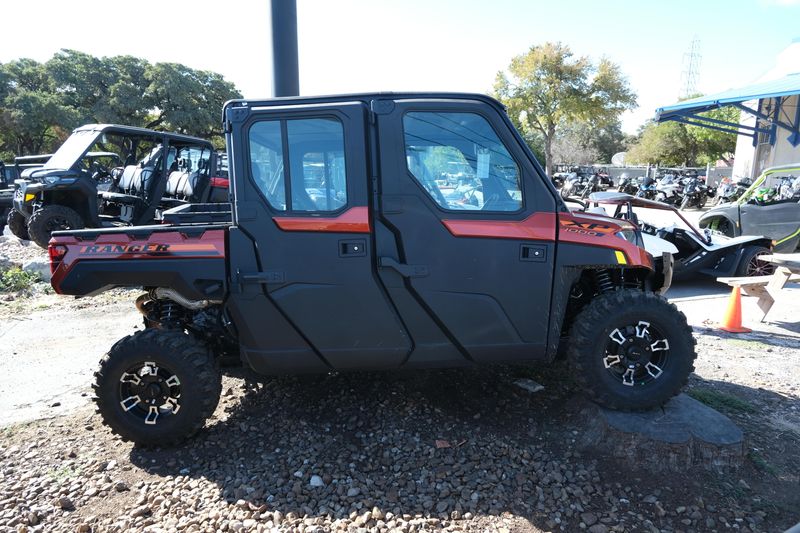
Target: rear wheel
(631, 350)
(17, 225)
(52, 218)
(751, 265)
(157, 387)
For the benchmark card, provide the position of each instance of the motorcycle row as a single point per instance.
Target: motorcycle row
(681, 189)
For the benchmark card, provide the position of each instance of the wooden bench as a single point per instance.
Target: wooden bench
(765, 288)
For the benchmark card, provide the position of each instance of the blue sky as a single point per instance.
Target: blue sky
(458, 45)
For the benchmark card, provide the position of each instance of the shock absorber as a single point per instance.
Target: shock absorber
(604, 283)
(169, 312)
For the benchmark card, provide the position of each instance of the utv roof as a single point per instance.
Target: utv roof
(363, 97)
(134, 130)
(32, 158)
(102, 154)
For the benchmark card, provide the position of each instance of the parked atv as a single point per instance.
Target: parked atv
(107, 175)
(9, 173)
(760, 212)
(384, 270)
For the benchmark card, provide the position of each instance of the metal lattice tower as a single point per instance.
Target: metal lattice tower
(691, 69)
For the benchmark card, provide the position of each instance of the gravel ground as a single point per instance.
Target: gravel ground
(14, 251)
(449, 450)
(427, 451)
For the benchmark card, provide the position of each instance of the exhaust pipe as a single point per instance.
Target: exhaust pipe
(175, 296)
(171, 294)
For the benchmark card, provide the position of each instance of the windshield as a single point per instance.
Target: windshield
(72, 149)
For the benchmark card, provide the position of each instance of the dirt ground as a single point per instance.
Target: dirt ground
(450, 450)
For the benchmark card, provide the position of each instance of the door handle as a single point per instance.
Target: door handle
(261, 278)
(355, 248)
(407, 271)
(533, 252)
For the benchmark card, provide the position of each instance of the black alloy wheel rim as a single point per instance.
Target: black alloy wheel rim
(149, 392)
(57, 224)
(636, 355)
(757, 267)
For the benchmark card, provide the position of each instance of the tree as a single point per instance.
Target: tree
(547, 87)
(105, 90)
(33, 116)
(573, 145)
(673, 143)
(187, 100)
(715, 144)
(41, 103)
(609, 140)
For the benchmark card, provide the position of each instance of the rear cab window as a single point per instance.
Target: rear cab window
(310, 151)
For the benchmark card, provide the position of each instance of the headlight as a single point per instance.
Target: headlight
(50, 180)
(627, 234)
(633, 236)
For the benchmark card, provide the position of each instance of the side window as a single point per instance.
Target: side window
(266, 162)
(316, 154)
(315, 164)
(460, 162)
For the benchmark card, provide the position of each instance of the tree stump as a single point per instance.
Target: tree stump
(684, 433)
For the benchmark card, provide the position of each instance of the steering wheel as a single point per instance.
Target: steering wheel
(101, 175)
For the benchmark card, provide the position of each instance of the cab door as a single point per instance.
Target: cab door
(305, 292)
(470, 236)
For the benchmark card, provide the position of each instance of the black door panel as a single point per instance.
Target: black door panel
(776, 221)
(489, 296)
(319, 269)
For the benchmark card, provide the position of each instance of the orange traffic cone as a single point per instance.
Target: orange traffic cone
(732, 321)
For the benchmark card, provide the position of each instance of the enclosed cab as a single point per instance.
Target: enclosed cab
(375, 231)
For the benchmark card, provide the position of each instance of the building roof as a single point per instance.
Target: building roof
(785, 86)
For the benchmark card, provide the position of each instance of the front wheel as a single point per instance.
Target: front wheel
(751, 265)
(685, 202)
(52, 218)
(17, 225)
(157, 387)
(631, 350)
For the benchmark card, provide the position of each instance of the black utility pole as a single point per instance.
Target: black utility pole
(285, 74)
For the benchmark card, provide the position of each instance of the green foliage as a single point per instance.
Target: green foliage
(674, 143)
(720, 400)
(548, 87)
(188, 101)
(15, 279)
(40, 103)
